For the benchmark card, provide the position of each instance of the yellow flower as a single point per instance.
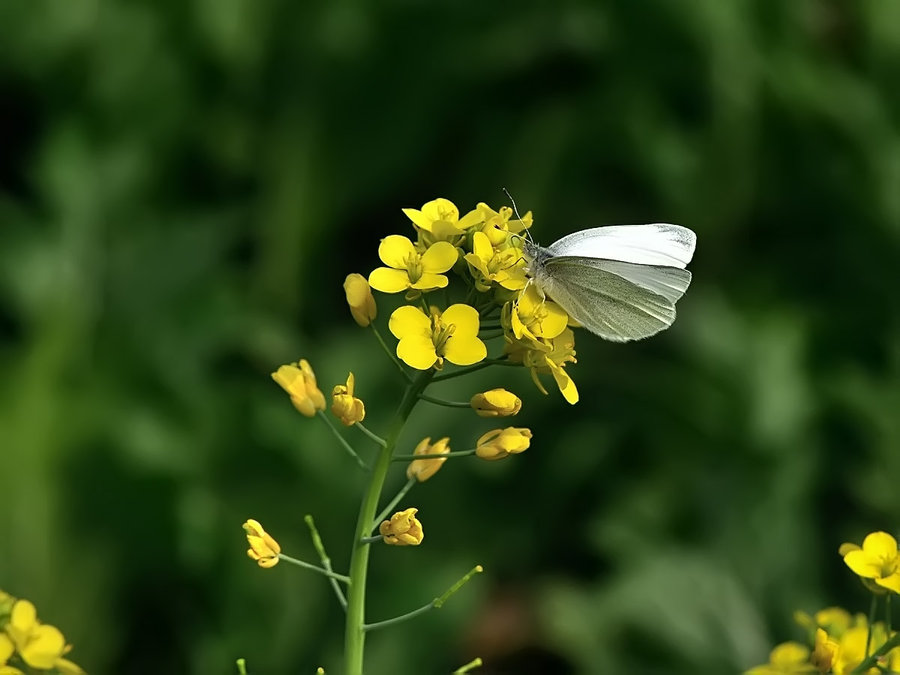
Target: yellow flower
(7, 649)
(406, 268)
(263, 548)
(360, 299)
(824, 652)
(501, 443)
(533, 316)
(40, 645)
(497, 224)
(423, 469)
(551, 356)
(439, 221)
(403, 529)
(496, 403)
(878, 560)
(489, 265)
(835, 620)
(345, 406)
(299, 380)
(786, 659)
(426, 341)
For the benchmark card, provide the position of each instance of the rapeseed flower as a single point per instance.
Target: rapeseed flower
(345, 406)
(403, 529)
(788, 658)
(425, 341)
(408, 269)
(878, 560)
(299, 380)
(493, 266)
(40, 645)
(501, 443)
(534, 316)
(825, 651)
(497, 225)
(360, 299)
(439, 220)
(496, 403)
(263, 548)
(551, 356)
(423, 469)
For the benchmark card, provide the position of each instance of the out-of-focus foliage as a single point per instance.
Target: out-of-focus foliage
(185, 186)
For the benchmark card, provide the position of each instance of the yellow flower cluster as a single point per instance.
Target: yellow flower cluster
(27, 642)
(483, 250)
(841, 643)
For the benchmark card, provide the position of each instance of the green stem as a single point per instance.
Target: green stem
(872, 609)
(372, 540)
(242, 666)
(375, 437)
(323, 556)
(392, 355)
(887, 613)
(458, 453)
(396, 500)
(341, 439)
(471, 665)
(437, 603)
(354, 631)
(314, 568)
(877, 654)
(477, 366)
(447, 404)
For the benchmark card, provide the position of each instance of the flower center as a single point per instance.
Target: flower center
(414, 267)
(440, 332)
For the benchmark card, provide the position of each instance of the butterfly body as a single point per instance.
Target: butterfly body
(620, 282)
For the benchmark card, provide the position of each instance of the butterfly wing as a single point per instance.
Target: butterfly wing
(618, 301)
(661, 244)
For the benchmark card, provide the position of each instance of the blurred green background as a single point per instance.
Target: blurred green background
(185, 186)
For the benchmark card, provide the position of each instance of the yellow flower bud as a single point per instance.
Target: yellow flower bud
(825, 652)
(360, 299)
(345, 406)
(299, 380)
(423, 469)
(403, 529)
(501, 443)
(496, 403)
(263, 548)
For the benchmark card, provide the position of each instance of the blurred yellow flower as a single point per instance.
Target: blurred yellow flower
(878, 560)
(40, 645)
(299, 380)
(824, 652)
(488, 265)
(496, 403)
(501, 443)
(497, 224)
(423, 469)
(263, 548)
(551, 356)
(345, 406)
(439, 221)
(533, 316)
(360, 299)
(787, 658)
(403, 529)
(425, 341)
(406, 268)
(835, 620)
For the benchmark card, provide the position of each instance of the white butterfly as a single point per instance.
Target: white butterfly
(621, 281)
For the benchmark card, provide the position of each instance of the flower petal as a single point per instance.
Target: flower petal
(481, 246)
(417, 351)
(441, 209)
(464, 317)
(439, 257)
(880, 544)
(863, 564)
(409, 320)
(429, 281)
(45, 644)
(388, 280)
(394, 250)
(419, 219)
(892, 582)
(565, 383)
(464, 350)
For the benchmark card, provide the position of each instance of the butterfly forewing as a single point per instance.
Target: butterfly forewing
(661, 244)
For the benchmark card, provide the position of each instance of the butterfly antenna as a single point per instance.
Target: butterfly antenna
(516, 211)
